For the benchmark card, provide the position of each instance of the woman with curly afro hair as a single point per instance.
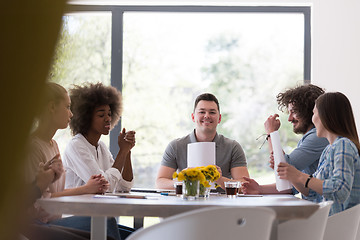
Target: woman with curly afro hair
(96, 110)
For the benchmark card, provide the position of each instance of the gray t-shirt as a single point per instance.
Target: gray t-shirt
(229, 153)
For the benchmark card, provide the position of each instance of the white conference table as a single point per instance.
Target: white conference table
(155, 205)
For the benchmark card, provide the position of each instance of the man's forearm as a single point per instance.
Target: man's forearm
(271, 189)
(221, 181)
(165, 183)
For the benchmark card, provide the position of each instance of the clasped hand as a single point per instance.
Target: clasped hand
(97, 184)
(126, 140)
(55, 164)
(49, 172)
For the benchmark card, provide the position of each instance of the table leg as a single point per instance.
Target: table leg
(138, 222)
(98, 228)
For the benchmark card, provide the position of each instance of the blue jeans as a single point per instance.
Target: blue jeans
(125, 231)
(84, 223)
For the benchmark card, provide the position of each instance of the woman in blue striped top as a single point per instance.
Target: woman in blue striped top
(337, 177)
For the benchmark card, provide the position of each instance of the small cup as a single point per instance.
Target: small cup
(178, 188)
(231, 189)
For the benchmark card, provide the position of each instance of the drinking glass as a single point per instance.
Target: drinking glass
(178, 188)
(231, 189)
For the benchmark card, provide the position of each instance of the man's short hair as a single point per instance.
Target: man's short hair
(303, 100)
(206, 97)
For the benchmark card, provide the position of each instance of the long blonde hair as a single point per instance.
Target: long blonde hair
(52, 92)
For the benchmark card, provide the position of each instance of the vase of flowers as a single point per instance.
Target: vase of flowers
(204, 191)
(192, 178)
(196, 181)
(211, 175)
(191, 189)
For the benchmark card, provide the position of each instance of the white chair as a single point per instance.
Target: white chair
(311, 228)
(358, 233)
(213, 223)
(343, 225)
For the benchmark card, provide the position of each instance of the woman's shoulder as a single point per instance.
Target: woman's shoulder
(38, 144)
(345, 144)
(103, 145)
(343, 140)
(78, 139)
(76, 144)
(41, 151)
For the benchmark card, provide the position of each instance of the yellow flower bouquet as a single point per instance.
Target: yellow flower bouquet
(211, 175)
(196, 179)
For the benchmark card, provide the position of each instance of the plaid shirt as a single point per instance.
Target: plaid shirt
(339, 167)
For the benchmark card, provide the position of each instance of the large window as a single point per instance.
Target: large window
(83, 54)
(163, 57)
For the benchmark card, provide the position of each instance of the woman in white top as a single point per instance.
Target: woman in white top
(97, 109)
(43, 150)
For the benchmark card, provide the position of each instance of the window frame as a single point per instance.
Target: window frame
(117, 35)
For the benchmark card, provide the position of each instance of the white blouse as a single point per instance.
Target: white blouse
(82, 160)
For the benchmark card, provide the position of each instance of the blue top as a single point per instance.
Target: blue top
(339, 167)
(307, 154)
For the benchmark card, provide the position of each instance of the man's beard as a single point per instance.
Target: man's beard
(302, 128)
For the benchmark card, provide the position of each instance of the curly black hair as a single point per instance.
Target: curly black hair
(303, 100)
(84, 100)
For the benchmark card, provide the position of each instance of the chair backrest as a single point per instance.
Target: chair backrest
(358, 233)
(343, 225)
(312, 228)
(213, 223)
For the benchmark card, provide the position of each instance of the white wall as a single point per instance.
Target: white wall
(336, 48)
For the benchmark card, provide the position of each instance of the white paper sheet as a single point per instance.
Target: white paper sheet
(200, 154)
(281, 184)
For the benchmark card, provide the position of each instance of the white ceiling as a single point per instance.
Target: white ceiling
(196, 2)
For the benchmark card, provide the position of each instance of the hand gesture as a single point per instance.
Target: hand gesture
(130, 138)
(44, 177)
(250, 186)
(272, 124)
(97, 184)
(55, 164)
(126, 140)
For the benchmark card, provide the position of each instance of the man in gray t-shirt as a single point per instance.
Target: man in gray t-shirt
(230, 157)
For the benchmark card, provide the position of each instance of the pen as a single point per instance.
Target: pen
(168, 194)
